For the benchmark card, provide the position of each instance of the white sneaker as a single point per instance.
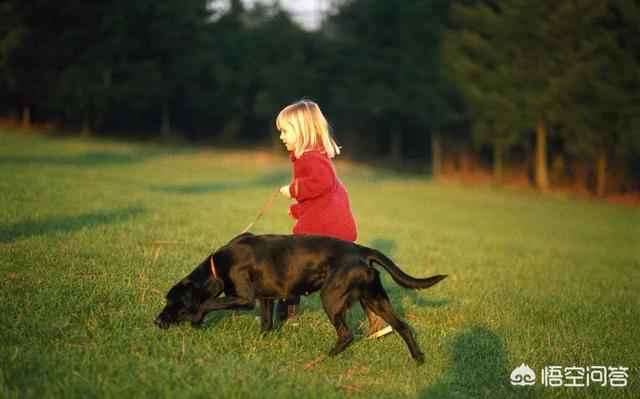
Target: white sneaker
(384, 331)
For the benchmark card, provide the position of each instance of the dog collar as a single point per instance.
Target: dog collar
(213, 268)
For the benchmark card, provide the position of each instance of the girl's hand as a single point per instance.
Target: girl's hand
(284, 190)
(290, 214)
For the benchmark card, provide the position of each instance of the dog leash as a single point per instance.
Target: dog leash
(262, 211)
(213, 268)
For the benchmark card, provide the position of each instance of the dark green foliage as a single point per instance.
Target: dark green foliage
(390, 76)
(574, 66)
(597, 93)
(394, 78)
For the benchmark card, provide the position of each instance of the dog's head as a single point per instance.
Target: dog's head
(184, 298)
(181, 302)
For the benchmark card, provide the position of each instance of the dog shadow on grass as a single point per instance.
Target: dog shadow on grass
(212, 319)
(64, 224)
(479, 369)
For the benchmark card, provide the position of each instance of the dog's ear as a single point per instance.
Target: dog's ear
(212, 289)
(190, 297)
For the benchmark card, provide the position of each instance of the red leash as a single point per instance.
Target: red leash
(262, 211)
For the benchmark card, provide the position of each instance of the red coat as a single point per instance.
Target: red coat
(322, 206)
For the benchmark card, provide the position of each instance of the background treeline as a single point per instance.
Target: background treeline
(416, 83)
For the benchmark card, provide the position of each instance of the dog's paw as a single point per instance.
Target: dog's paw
(336, 350)
(419, 358)
(196, 322)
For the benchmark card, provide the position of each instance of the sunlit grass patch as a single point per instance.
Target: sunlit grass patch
(93, 234)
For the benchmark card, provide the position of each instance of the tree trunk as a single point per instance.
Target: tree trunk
(26, 117)
(541, 173)
(230, 129)
(436, 156)
(464, 162)
(396, 146)
(498, 154)
(85, 130)
(601, 172)
(165, 124)
(349, 141)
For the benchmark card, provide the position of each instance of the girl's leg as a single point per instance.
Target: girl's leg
(377, 326)
(287, 310)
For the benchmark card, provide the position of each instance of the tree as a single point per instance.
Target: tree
(172, 39)
(388, 67)
(294, 65)
(479, 60)
(505, 54)
(29, 57)
(82, 62)
(78, 92)
(597, 92)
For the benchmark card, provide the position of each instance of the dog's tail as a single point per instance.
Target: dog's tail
(397, 274)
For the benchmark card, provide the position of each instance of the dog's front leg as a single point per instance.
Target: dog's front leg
(266, 314)
(209, 305)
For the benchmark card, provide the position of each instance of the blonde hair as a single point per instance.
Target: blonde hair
(311, 127)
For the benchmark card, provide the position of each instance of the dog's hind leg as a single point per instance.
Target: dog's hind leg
(338, 317)
(375, 298)
(336, 300)
(266, 314)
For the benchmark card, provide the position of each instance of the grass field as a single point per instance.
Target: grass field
(93, 234)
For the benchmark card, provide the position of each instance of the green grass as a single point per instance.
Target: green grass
(534, 280)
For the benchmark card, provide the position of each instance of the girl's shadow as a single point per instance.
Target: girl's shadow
(479, 369)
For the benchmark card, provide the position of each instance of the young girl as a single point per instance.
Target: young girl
(322, 203)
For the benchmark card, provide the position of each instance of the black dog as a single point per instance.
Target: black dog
(274, 266)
